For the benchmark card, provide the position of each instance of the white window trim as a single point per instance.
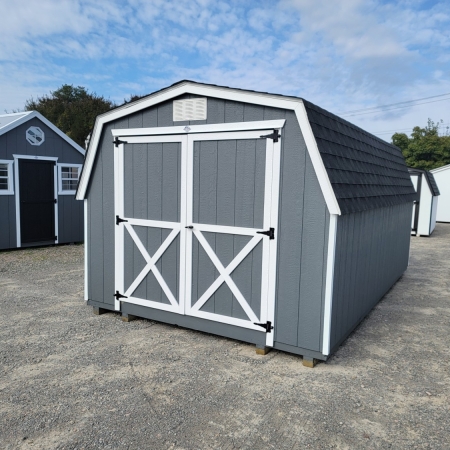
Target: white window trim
(16, 184)
(60, 189)
(9, 178)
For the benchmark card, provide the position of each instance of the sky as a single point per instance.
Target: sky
(345, 56)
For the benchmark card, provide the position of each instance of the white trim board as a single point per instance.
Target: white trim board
(34, 114)
(187, 87)
(328, 307)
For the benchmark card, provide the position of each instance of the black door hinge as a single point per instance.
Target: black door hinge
(117, 142)
(267, 326)
(118, 295)
(56, 200)
(270, 232)
(55, 238)
(274, 136)
(118, 220)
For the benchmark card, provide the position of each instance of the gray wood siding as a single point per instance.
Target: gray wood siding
(70, 211)
(8, 238)
(302, 231)
(372, 249)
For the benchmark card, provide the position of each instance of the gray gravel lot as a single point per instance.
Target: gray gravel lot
(72, 380)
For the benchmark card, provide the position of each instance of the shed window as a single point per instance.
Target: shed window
(6, 180)
(68, 176)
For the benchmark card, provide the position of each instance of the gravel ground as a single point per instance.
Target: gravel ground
(72, 380)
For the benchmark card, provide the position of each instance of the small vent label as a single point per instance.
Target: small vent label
(189, 109)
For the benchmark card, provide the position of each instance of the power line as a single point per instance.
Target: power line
(405, 103)
(392, 109)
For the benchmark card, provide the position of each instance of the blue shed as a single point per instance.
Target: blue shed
(255, 216)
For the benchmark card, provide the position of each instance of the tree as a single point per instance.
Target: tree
(425, 149)
(72, 109)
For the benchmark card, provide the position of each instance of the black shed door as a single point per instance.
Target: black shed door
(37, 201)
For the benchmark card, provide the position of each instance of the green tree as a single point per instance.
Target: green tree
(72, 109)
(425, 149)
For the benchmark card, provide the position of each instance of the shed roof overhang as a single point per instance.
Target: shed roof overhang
(25, 117)
(226, 93)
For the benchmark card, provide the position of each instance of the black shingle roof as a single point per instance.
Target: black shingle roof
(430, 180)
(365, 171)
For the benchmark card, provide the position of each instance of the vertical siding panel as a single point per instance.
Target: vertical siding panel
(309, 315)
(226, 192)
(207, 207)
(108, 211)
(290, 229)
(234, 112)
(381, 237)
(4, 222)
(253, 112)
(215, 110)
(96, 248)
(165, 114)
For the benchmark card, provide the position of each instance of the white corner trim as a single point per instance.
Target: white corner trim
(31, 115)
(55, 184)
(317, 162)
(257, 98)
(9, 177)
(328, 307)
(86, 251)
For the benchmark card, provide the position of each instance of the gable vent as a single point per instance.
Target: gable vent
(189, 109)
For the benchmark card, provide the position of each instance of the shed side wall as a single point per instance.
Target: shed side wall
(443, 181)
(302, 231)
(70, 211)
(372, 252)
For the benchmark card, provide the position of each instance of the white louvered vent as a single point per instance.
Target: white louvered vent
(189, 109)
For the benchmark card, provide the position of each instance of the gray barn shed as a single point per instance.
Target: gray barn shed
(254, 216)
(39, 172)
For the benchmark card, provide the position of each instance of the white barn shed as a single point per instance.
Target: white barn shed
(442, 178)
(425, 208)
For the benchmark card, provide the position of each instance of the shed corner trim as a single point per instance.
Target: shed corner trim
(326, 338)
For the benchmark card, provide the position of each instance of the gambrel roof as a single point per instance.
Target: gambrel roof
(10, 121)
(356, 170)
(430, 180)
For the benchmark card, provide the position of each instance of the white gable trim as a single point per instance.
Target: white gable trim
(225, 94)
(31, 115)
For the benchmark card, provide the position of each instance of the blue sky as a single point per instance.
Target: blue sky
(342, 55)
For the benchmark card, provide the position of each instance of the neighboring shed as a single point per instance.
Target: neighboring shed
(442, 178)
(425, 208)
(259, 217)
(39, 171)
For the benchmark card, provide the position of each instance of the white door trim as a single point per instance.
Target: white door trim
(270, 220)
(139, 134)
(178, 228)
(269, 246)
(17, 192)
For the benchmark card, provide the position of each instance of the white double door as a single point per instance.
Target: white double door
(190, 212)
